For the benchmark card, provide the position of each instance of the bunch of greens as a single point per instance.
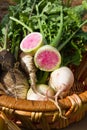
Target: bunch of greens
(59, 24)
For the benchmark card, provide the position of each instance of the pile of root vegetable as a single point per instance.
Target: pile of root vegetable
(39, 40)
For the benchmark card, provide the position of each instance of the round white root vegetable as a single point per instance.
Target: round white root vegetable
(44, 92)
(31, 95)
(61, 80)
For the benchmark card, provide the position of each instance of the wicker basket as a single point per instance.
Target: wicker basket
(34, 115)
(43, 115)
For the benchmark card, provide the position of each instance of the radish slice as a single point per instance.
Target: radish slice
(31, 42)
(47, 58)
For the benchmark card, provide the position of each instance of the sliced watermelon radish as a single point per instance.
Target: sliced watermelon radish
(31, 42)
(47, 58)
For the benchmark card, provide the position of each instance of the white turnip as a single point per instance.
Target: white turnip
(31, 95)
(61, 80)
(44, 92)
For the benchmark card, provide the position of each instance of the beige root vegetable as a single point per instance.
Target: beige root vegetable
(16, 89)
(27, 64)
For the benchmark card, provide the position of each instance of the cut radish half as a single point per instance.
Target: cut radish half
(47, 58)
(31, 42)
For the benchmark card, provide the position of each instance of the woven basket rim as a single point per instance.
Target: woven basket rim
(65, 103)
(40, 106)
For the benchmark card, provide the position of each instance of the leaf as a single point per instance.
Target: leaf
(49, 15)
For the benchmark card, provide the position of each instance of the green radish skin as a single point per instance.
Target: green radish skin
(31, 42)
(47, 58)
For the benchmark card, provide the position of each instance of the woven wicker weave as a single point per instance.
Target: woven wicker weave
(33, 115)
(44, 114)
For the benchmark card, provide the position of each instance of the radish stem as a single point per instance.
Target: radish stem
(44, 78)
(39, 23)
(64, 43)
(58, 106)
(59, 34)
(21, 23)
(28, 65)
(32, 8)
(39, 20)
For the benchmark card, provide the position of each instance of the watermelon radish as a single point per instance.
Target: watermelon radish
(31, 42)
(47, 58)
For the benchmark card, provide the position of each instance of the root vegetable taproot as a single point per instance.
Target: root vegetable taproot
(31, 95)
(27, 64)
(61, 80)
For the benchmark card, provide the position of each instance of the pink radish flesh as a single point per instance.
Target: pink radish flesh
(47, 58)
(31, 42)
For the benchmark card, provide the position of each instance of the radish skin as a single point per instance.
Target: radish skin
(44, 92)
(61, 80)
(31, 95)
